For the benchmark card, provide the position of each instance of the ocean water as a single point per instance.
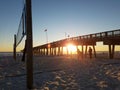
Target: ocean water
(8, 53)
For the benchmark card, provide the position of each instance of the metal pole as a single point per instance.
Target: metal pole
(29, 45)
(46, 42)
(46, 36)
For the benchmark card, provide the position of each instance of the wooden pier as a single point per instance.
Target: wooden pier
(110, 38)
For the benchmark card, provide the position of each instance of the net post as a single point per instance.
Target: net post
(29, 45)
(14, 48)
(24, 51)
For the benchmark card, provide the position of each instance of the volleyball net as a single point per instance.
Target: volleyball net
(25, 29)
(21, 29)
(20, 33)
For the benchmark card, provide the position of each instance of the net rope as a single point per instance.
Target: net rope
(21, 28)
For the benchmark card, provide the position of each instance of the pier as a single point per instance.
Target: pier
(110, 38)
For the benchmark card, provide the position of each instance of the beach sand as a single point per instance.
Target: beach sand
(61, 73)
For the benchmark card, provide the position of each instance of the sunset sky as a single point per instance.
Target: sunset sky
(73, 17)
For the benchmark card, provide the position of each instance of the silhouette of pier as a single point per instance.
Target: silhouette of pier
(110, 38)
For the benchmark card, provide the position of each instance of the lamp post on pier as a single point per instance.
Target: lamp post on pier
(46, 35)
(46, 41)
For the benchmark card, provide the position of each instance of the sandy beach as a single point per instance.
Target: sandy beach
(61, 73)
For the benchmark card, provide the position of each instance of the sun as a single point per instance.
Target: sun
(71, 48)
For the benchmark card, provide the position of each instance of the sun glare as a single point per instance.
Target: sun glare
(71, 48)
